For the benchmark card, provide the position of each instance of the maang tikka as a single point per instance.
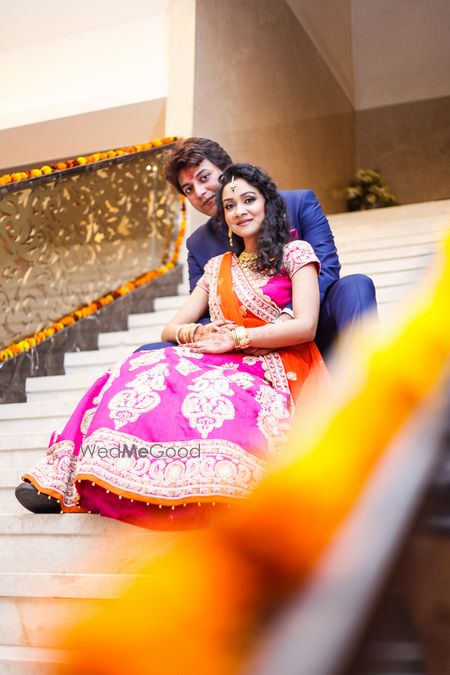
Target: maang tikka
(233, 185)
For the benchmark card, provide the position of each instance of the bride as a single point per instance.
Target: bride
(165, 438)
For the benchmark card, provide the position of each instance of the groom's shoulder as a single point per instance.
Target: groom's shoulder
(296, 196)
(205, 232)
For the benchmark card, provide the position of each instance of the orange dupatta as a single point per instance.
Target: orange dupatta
(299, 361)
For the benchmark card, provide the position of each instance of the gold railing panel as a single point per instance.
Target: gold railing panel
(70, 237)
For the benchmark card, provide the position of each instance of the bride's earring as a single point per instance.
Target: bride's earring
(230, 237)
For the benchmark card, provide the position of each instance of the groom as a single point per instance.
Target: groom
(194, 168)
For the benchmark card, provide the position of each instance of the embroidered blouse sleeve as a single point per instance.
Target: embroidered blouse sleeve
(297, 254)
(205, 280)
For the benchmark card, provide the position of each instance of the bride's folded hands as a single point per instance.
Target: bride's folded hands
(214, 342)
(214, 327)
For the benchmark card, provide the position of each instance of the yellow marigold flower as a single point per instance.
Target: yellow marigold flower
(34, 173)
(46, 169)
(81, 160)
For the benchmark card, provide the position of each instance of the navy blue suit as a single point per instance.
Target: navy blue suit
(343, 301)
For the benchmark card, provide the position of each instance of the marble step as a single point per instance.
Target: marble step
(387, 231)
(172, 302)
(387, 254)
(395, 248)
(151, 318)
(393, 242)
(21, 457)
(60, 387)
(32, 417)
(63, 585)
(74, 544)
(375, 267)
(133, 338)
(395, 278)
(9, 478)
(30, 660)
(35, 606)
(396, 214)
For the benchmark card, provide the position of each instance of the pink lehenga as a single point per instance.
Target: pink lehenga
(165, 437)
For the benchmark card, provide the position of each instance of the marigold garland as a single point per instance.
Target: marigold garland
(26, 344)
(8, 178)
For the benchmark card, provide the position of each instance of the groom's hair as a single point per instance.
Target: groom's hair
(191, 152)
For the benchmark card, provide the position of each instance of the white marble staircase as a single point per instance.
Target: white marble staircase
(54, 565)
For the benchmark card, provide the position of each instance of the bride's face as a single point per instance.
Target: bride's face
(244, 208)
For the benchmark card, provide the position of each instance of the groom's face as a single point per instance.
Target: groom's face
(201, 184)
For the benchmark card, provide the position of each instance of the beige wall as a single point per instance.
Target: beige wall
(80, 134)
(410, 145)
(329, 25)
(265, 93)
(401, 51)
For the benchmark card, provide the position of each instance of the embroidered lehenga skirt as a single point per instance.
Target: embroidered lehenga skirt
(165, 437)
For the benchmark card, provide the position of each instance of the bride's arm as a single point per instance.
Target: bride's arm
(306, 305)
(195, 306)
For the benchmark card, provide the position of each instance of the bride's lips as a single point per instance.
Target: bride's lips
(244, 222)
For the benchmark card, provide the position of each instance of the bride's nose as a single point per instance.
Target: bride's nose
(240, 209)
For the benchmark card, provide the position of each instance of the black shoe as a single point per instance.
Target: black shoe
(36, 501)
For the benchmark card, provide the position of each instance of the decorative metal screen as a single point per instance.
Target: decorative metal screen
(70, 237)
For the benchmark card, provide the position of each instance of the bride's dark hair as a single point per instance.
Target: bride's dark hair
(274, 232)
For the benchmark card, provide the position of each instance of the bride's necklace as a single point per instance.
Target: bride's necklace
(247, 260)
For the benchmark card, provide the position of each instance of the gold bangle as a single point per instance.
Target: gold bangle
(197, 326)
(240, 337)
(177, 334)
(185, 333)
(243, 337)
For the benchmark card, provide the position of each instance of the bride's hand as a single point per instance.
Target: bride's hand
(213, 327)
(213, 343)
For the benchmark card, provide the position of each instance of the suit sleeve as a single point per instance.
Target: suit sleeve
(312, 226)
(195, 268)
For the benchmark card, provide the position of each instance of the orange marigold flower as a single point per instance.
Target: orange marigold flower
(60, 166)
